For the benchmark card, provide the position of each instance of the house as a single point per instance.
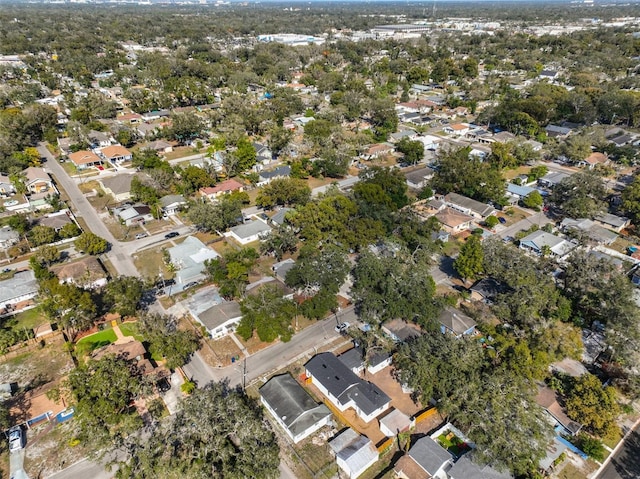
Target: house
(453, 321)
(418, 179)
(540, 241)
(8, 237)
(84, 159)
(395, 422)
(188, 258)
(504, 137)
(86, 273)
(353, 359)
(98, 139)
(547, 399)
(469, 206)
(220, 319)
(146, 129)
(281, 268)
(57, 220)
(116, 154)
(612, 222)
(354, 453)
(65, 145)
(266, 177)
(118, 186)
(280, 216)
(132, 215)
(132, 352)
(555, 131)
(552, 178)
(453, 221)
(425, 460)
(17, 292)
(129, 118)
(548, 75)
(344, 389)
(284, 290)
(400, 331)
(263, 153)
(379, 361)
(464, 468)
(590, 229)
(480, 135)
(376, 151)
(457, 129)
(6, 186)
(409, 134)
(555, 449)
(595, 159)
(249, 232)
(293, 408)
(171, 204)
(487, 290)
(517, 192)
(159, 146)
(227, 186)
(38, 181)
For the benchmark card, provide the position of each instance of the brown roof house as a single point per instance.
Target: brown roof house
(84, 159)
(85, 273)
(453, 221)
(38, 181)
(118, 186)
(116, 154)
(548, 400)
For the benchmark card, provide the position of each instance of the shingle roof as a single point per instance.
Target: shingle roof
(356, 450)
(247, 230)
(219, 314)
(430, 455)
(22, 283)
(115, 151)
(84, 157)
(118, 184)
(455, 320)
(478, 207)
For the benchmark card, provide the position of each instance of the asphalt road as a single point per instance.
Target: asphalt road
(625, 464)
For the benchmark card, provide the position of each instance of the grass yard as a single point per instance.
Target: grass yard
(317, 458)
(150, 262)
(613, 441)
(131, 329)
(95, 341)
(453, 443)
(28, 319)
(37, 367)
(512, 173)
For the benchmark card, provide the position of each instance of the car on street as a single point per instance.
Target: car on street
(141, 235)
(173, 234)
(342, 327)
(16, 439)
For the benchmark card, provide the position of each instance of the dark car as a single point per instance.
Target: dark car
(173, 234)
(502, 220)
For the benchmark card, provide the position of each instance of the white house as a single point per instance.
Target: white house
(116, 154)
(354, 453)
(457, 129)
(171, 204)
(293, 408)
(425, 456)
(220, 319)
(249, 232)
(540, 241)
(16, 292)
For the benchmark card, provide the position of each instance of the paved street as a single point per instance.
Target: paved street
(625, 464)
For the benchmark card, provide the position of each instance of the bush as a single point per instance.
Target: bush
(188, 387)
(591, 446)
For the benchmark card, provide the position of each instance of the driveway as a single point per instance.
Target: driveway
(16, 461)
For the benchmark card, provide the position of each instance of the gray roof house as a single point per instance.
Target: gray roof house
(354, 453)
(16, 291)
(419, 178)
(279, 217)
(400, 331)
(131, 215)
(281, 269)
(118, 186)
(590, 229)
(469, 206)
(8, 237)
(353, 359)
(552, 178)
(487, 290)
(220, 319)
(249, 232)
(454, 321)
(268, 176)
(293, 408)
(171, 204)
(464, 468)
(612, 222)
(344, 389)
(426, 455)
(538, 241)
(189, 257)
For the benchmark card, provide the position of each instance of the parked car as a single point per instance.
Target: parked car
(173, 234)
(190, 285)
(141, 235)
(16, 439)
(502, 220)
(342, 327)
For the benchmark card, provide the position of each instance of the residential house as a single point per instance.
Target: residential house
(249, 232)
(487, 290)
(480, 135)
(129, 118)
(188, 258)
(280, 217)
(547, 399)
(265, 177)
(118, 186)
(518, 193)
(159, 146)
(612, 222)
(409, 134)
(147, 129)
(469, 206)
(504, 136)
(38, 181)
(293, 408)
(400, 331)
(57, 220)
(132, 352)
(590, 229)
(455, 322)
(116, 154)
(457, 129)
(378, 361)
(8, 237)
(171, 204)
(226, 186)
(594, 159)
(464, 468)
(220, 319)
(263, 153)
(555, 131)
(430, 142)
(425, 460)
(551, 179)
(344, 389)
(256, 286)
(418, 179)
(17, 292)
(98, 139)
(353, 359)
(453, 221)
(84, 159)
(620, 137)
(376, 151)
(550, 75)
(395, 422)
(87, 273)
(65, 145)
(133, 215)
(555, 449)
(539, 242)
(281, 268)
(6, 187)
(354, 453)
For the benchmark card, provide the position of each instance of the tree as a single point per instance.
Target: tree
(103, 391)
(631, 201)
(219, 432)
(533, 200)
(580, 196)
(70, 230)
(279, 139)
(268, 314)
(217, 217)
(91, 243)
(318, 269)
(391, 181)
(491, 222)
(413, 151)
(123, 294)
(195, 178)
(283, 192)
(166, 340)
(279, 241)
(593, 405)
(469, 263)
(245, 154)
(47, 255)
(42, 235)
(70, 306)
(185, 127)
(19, 223)
(231, 271)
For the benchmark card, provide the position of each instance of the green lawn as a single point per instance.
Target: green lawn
(131, 329)
(95, 341)
(28, 319)
(453, 444)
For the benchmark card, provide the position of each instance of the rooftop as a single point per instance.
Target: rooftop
(429, 454)
(254, 227)
(477, 207)
(219, 314)
(456, 321)
(22, 283)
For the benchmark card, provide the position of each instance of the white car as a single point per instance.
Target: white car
(15, 439)
(342, 327)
